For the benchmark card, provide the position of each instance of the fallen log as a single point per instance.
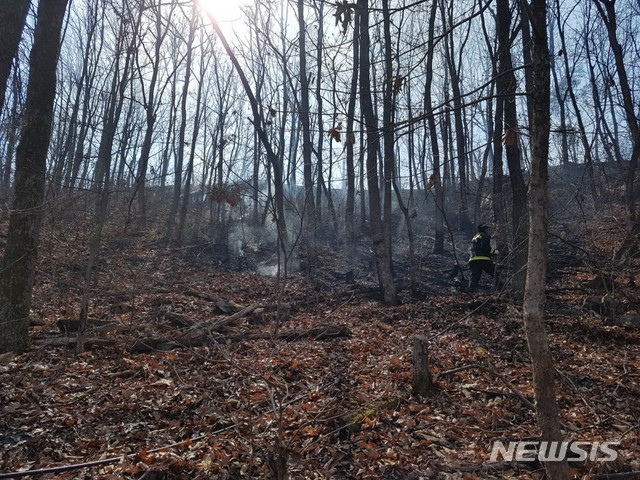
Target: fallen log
(221, 324)
(223, 306)
(149, 345)
(323, 333)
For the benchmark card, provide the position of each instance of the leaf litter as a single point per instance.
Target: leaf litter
(340, 408)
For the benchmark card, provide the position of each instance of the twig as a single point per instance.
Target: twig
(500, 377)
(451, 325)
(226, 320)
(108, 461)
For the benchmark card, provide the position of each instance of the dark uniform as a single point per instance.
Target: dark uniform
(480, 260)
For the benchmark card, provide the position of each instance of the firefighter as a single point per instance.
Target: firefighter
(482, 249)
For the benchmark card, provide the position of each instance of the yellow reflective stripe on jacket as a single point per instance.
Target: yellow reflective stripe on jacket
(479, 258)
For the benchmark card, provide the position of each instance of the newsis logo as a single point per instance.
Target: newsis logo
(530, 451)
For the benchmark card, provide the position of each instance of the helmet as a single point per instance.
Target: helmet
(483, 226)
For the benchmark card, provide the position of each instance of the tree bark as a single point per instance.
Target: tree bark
(19, 262)
(464, 222)
(309, 205)
(380, 244)
(547, 410)
(506, 88)
(350, 141)
(422, 378)
(12, 17)
(438, 244)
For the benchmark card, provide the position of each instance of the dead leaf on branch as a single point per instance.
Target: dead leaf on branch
(334, 133)
(434, 180)
(229, 194)
(510, 137)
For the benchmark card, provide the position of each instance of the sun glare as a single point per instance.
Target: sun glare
(227, 13)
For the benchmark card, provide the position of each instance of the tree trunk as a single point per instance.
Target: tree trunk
(561, 97)
(506, 88)
(422, 378)
(436, 183)
(547, 410)
(350, 141)
(19, 262)
(606, 9)
(588, 157)
(177, 176)
(192, 152)
(380, 244)
(464, 223)
(112, 116)
(13, 130)
(309, 207)
(12, 17)
(321, 184)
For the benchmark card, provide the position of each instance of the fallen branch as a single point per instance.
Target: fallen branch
(61, 469)
(224, 306)
(500, 377)
(235, 316)
(108, 461)
(220, 324)
(326, 332)
(148, 345)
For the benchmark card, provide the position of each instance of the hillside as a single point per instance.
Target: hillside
(313, 380)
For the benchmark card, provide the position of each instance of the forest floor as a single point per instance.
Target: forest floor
(171, 387)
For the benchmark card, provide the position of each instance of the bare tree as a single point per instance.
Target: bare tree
(381, 250)
(350, 141)
(506, 90)
(570, 90)
(19, 261)
(309, 205)
(607, 11)
(453, 66)
(150, 98)
(13, 129)
(12, 17)
(258, 122)
(197, 119)
(436, 178)
(547, 410)
(71, 154)
(114, 102)
(179, 162)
